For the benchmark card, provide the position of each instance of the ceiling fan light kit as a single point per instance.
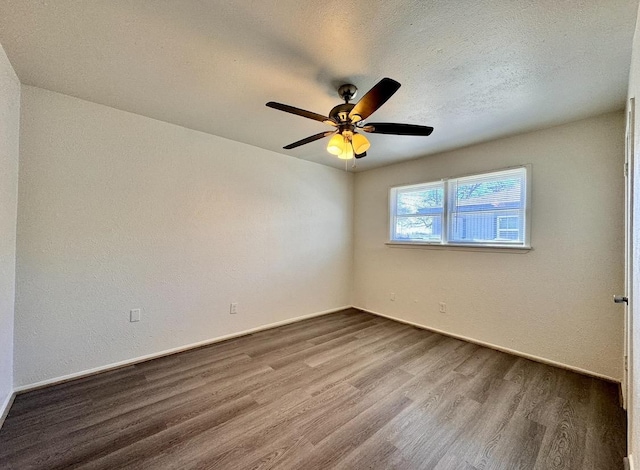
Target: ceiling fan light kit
(347, 118)
(360, 143)
(336, 145)
(346, 145)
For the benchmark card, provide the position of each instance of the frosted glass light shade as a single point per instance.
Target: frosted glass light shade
(360, 143)
(347, 154)
(336, 145)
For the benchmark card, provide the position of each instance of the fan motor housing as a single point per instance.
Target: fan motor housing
(341, 112)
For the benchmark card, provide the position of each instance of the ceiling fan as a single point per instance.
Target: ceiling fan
(347, 119)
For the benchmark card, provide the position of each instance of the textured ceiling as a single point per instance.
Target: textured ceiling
(475, 70)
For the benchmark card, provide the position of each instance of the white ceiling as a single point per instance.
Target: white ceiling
(475, 70)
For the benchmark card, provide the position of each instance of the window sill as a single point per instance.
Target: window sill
(461, 247)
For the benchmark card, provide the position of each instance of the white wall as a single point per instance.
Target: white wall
(119, 211)
(632, 408)
(553, 302)
(9, 132)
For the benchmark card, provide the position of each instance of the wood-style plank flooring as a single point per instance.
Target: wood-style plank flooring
(347, 391)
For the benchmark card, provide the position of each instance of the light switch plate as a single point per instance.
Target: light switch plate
(134, 315)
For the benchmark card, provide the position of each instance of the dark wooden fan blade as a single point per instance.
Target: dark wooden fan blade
(308, 140)
(300, 112)
(397, 129)
(361, 155)
(374, 98)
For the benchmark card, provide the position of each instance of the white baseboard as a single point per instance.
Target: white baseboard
(6, 406)
(167, 352)
(629, 463)
(496, 347)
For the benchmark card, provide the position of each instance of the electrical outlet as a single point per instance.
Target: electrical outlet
(134, 315)
(233, 308)
(443, 307)
(392, 296)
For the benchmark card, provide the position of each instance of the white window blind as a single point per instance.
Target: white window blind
(488, 208)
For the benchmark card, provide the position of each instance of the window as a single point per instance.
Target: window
(419, 212)
(488, 209)
(508, 227)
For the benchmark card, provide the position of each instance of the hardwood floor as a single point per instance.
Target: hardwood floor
(347, 391)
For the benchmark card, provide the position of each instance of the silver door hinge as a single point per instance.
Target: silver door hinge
(626, 169)
(626, 363)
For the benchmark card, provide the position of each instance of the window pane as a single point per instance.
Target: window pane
(418, 212)
(425, 228)
(508, 222)
(488, 208)
(425, 200)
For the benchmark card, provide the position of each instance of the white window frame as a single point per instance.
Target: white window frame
(445, 243)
